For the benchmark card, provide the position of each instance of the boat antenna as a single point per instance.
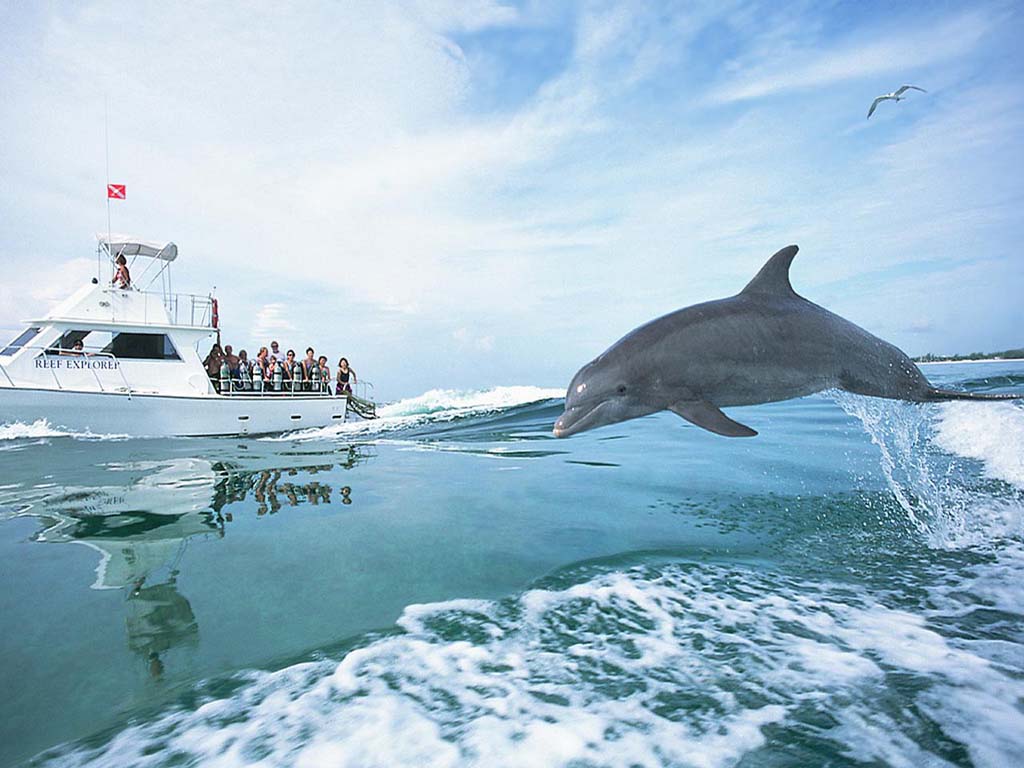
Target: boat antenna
(106, 136)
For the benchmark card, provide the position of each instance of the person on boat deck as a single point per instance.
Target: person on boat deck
(243, 365)
(232, 358)
(289, 369)
(213, 361)
(275, 352)
(325, 373)
(122, 277)
(212, 364)
(346, 378)
(260, 365)
(307, 367)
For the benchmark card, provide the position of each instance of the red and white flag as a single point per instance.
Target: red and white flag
(116, 191)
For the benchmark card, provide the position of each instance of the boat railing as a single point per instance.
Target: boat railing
(236, 386)
(85, 355)
(246, 386)
(181, 308)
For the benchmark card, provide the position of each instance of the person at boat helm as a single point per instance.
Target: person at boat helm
(307, 367)
(77, 349)
(122, 277)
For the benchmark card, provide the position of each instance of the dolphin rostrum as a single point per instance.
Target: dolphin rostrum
(763, 345)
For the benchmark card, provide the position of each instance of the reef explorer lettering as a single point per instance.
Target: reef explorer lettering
(79, 363)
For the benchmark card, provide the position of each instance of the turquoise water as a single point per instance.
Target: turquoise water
(452, 586)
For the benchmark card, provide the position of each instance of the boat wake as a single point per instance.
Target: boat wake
(42, 429)
(993, 435)
(670, 665)
(956, 469)
(435, 407)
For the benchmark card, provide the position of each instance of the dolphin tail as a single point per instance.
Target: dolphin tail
(935, 395)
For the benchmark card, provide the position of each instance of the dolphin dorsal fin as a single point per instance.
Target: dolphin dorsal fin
(774, 275)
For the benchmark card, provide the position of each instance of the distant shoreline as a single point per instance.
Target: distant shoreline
(982, 360)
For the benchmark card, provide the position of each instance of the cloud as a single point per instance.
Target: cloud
(31, 293)
(465, 15)
(468, 340)
(363, 181)
(868, 53)
(271, 319)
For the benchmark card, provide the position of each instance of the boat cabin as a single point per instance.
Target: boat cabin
(111, 339)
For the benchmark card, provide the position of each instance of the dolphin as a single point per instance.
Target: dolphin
(765, 344)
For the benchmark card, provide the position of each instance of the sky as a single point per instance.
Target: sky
(469, 194)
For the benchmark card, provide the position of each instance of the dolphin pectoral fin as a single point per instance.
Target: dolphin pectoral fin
(709, 417)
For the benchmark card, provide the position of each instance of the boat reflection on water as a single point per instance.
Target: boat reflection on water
(159, 618)
(272, 489)
(141, 520)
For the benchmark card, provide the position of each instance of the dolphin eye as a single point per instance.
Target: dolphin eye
(622, 389)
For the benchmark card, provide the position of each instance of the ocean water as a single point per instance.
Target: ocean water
(451, 586)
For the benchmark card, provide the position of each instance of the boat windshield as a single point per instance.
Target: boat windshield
(26, 336)
(123, 345)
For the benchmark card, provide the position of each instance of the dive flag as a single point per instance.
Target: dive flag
(116, 191)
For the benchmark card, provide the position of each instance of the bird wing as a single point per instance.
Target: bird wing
(903, 89)
(875, 104)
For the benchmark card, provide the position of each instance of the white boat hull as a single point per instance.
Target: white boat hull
(150, 415)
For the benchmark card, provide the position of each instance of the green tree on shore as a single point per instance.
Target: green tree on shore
(1005, 354)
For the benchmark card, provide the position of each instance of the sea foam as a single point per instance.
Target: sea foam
(433, 406)
(992, 433)
(929, 454)
(35, 430)
(676, 665)
(41, 429)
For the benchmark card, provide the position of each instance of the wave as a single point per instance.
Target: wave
(923, 451)
(659, 665)
(992, 433)
(37, 429)
(436, 406)
(460, 402)
(998, 381)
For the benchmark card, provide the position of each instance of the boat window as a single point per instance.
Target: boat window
(25, 337)
(67, 341)
(142, 346)
(92, 341)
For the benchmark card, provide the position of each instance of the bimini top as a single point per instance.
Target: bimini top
(126, 245)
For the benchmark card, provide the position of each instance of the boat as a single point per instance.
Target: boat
(129, 361)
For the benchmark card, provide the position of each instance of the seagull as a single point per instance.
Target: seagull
(896, 95)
